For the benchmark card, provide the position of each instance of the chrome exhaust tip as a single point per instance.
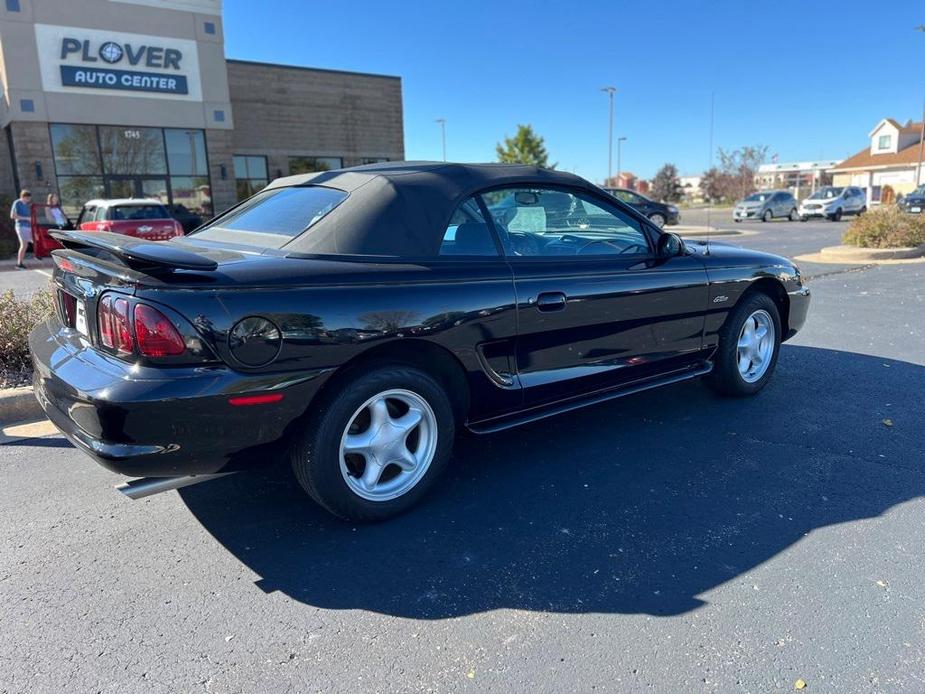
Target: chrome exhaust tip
(149, 486)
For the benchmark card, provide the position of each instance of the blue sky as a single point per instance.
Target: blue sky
(808, 79)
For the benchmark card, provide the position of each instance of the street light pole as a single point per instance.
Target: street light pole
(442, 123)
(918, 171)
(610, 92)
(620, 141)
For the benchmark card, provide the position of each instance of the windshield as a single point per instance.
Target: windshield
(272, 218)
(918, 191)
(826, 193)
(758, 197)
(134, 212)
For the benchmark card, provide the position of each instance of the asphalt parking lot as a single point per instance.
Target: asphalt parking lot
(671, 541)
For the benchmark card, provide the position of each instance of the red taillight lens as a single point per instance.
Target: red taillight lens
(122, 331)
(68, 308)
(157, 336)
(104, 321)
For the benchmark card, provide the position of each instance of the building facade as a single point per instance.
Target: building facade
(891, 164)
(800, 177)
(123, 98)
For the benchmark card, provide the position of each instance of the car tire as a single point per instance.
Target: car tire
(794, 215)
(804, 219)
(862, 210)
(729, 377)
(337, 480)
(767, 216)
(836, 217)
(657, 219)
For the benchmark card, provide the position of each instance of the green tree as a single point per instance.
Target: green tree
(666, 186)
(526, 147)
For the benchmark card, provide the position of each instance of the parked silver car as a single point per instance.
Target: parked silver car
(766, 205)
(832, 202)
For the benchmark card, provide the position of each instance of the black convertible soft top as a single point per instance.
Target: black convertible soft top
(403, 208)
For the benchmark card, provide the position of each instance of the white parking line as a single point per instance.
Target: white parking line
(41, 272)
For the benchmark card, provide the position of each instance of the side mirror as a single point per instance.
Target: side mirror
(669, 245)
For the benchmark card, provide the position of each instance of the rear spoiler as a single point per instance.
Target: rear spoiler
(138, 254)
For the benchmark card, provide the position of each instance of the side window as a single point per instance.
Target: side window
(547, 222)
(468, 232)
(100, 214)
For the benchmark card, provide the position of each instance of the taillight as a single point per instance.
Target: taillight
(122, 331)
(113, 322)
(68, 308)
(157, 336)
(104, 321)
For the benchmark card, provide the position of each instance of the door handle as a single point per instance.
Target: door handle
(550, 301)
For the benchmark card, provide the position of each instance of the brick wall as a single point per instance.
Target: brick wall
(219, 150)
(287, 111)
(33, 144)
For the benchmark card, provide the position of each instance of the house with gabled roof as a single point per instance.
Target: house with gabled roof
(892, 159)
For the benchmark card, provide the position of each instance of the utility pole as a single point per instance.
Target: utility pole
(620, 141)
(442, 123)
(918, 171)
(610, 92)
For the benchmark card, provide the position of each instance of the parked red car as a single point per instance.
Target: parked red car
(141, 218)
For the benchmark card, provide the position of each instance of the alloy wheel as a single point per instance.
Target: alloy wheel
(388, 445)
(658, 220)
(755, 347)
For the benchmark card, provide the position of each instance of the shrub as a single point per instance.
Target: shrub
(886, 227)
(17, 318)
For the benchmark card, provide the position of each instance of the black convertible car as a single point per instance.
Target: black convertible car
(355, 320)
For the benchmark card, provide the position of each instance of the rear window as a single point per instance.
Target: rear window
(136, 212)
(272, 218)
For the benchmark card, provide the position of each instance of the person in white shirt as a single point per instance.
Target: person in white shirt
(54, 214)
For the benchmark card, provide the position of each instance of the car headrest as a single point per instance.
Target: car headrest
(474, 238)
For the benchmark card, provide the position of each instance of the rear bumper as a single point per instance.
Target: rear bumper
(146, 421)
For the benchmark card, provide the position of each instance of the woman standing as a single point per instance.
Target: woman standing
(54, 214)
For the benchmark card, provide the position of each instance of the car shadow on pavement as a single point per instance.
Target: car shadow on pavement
(641, 505)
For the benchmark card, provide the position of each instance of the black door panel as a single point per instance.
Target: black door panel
(622, 320)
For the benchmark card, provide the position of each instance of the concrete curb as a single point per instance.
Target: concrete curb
(19, 405)
(854, 254)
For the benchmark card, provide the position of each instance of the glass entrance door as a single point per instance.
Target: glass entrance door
(154, 187)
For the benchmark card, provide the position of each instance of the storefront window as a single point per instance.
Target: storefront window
(186, 152)
(250, 174)
(169, 165)
(76, 190)
(76, 149)
(193, 193)
(132, 150)
(298, 165)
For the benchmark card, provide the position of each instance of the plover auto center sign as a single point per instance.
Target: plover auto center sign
(90, 60)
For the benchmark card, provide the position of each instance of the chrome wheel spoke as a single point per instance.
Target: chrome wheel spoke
(372, 473)
(406, 461)
(358, 443)
(378, 414)
(744, 362)
(408, 421)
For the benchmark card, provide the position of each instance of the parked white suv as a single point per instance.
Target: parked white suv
(832, 203)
